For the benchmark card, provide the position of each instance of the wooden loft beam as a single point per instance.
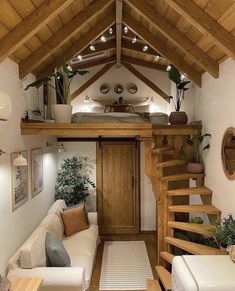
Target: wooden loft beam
(119, 4)
(79, 45)
(85, 65)
(178, 38)
(146, 81)
(157, 44)
(99, 47)
(151, 65)
(94, 78)
(204, 22)
(30, 25)
(61, 36)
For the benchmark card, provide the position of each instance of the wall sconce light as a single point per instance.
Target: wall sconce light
(20, 161)
(61, 148)
(5, 106)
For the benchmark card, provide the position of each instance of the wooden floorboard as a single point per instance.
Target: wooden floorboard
(150, 241)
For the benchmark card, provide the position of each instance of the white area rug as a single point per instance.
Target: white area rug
(125, 266)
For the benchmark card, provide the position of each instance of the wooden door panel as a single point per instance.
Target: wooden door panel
(118, 195)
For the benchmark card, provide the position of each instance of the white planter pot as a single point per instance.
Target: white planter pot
(62, 113)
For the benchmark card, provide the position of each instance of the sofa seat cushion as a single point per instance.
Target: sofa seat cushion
(54, 224)
(80, 246)
(57, 206)
(33, 252)
(84, 261)
(91, 232)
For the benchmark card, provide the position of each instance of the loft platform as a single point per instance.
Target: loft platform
(142, 130)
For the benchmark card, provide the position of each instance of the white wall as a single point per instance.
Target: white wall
(124, 77)
(16, 226)
(215, 106)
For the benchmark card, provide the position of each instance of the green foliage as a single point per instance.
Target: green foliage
(73, 183)
(197, 141)
(175, 76)
(66, 73)
(224, 231)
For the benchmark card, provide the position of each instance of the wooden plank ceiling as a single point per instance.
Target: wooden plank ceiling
(193, 35)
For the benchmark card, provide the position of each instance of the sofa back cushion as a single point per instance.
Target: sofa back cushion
(57, 206)
(54, 224)
(33, 253)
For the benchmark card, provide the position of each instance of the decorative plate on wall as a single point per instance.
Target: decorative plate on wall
(228, 153)
(118, 89)
(104, 88)
(132, 88)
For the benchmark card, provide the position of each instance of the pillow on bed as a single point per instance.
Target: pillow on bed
(143, 108)
(97, 109)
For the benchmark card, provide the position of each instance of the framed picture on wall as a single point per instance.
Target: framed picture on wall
(20, 181)
(36, 171)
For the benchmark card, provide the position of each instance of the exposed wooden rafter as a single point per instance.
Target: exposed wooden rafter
(146, 81)
(139, 62)
(119, 4)
(205, 23)
(178, 38)
(85, 65)
(61, 36)
(94, 78)
(157, 44)
(79, 45)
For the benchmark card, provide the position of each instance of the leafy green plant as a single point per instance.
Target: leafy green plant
(175, 76)
(66, 73)
(198, 143)
(73, 181)
(224, 231)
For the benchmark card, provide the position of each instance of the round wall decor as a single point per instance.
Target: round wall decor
(132, 88)
(228, 153)
(104, 88)
(118, 89)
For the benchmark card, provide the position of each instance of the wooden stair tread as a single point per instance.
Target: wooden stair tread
(164, 276)
(153, 285)
(202, 208)
(193, 248)
(170, 163)
(190, 191)
(193, 227)
(183, 176)
(167, 256)
(162, 150)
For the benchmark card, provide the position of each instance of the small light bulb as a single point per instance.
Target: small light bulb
(182, 77)
(126, 29)
(103, 38)
(92, 48)
(134, 39)
(79, 57)
(157, 58)
(69, 68)
(168, 68)
(145, 48)
(110, 30)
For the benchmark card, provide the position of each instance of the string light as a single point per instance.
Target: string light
(126, 29)
(157, 58)
(79, 57)
(168, 68)
(134, 39)
(103, 38)
(145, 48)
(110, 30)
(182, 77)
(92, 48)
(69, 68)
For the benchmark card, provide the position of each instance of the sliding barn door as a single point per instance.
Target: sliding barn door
(118, 187)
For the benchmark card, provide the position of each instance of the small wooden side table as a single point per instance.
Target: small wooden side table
(25, 284)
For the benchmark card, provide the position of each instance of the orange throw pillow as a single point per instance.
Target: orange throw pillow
(74, 220)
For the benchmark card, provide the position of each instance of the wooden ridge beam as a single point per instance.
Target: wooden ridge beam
(178, 38)
(85, 65)
(79, 45)
(145, 80)
(205, 23)
(94, 78)
(61, 36)
(31, 25)
(157, 44)
(139, 62)
(119, 4)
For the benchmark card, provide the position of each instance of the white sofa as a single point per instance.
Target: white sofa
(30, 260)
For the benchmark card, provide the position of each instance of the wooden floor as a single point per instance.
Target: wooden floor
(150, 241)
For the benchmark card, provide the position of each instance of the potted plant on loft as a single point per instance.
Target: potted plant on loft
(177, 116)
(200, 143)
(60, 80)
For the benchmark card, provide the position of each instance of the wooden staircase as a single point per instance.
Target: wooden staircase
(171, 185)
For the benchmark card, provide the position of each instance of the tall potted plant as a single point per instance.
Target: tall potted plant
(177, 116)
(60, 80)
(200, 143)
